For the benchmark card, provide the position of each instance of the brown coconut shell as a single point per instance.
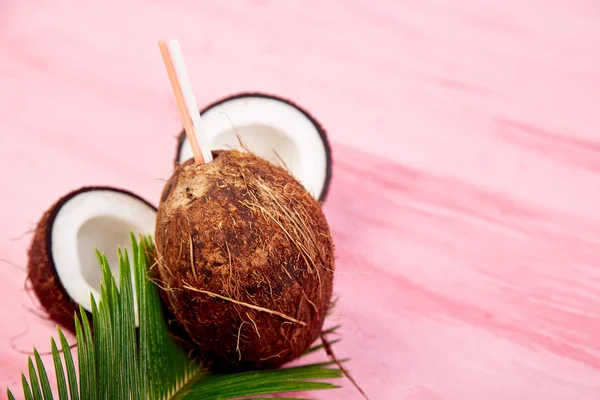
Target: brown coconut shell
(41, 270)
(320, 129)
(245, 261)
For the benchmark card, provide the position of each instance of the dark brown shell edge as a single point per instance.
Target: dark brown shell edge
(320, 129)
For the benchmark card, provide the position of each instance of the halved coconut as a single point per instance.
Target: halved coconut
(63, 267)
(275, 129)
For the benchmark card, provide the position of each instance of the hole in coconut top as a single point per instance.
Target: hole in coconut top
(106, 233)
(266, 141)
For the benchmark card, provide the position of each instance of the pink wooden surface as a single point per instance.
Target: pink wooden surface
(466, 137)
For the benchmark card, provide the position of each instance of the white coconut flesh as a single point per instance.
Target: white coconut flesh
(101, 219)
(272, 129)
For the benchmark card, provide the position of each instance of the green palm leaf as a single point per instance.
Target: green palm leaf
(117, 362)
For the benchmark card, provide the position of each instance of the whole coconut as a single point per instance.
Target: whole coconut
(245, 261)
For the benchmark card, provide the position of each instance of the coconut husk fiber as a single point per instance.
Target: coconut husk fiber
(245, 261)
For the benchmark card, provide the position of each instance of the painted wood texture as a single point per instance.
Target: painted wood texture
(466, 138)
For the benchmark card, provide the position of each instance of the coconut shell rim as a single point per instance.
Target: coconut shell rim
(320, 130)
(52, 213)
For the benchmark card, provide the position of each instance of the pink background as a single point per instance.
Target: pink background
(465, 202)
